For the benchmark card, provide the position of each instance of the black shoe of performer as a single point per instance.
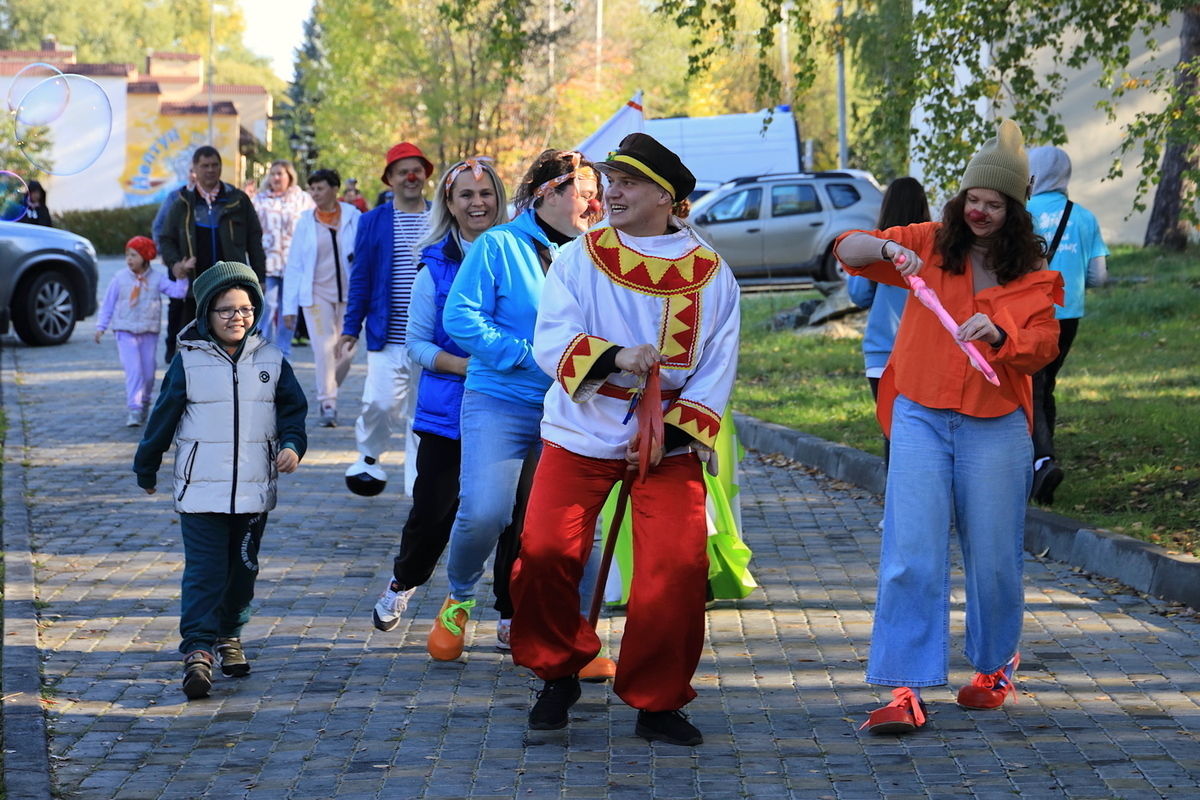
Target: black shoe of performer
(671, 727)
(555, 699)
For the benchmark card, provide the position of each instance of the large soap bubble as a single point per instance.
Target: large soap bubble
(12, 196)
(51, 100)
(73, 140)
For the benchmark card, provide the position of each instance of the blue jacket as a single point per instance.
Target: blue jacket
(370, 294)
(886, 304)
(439, 394)
(492, 309)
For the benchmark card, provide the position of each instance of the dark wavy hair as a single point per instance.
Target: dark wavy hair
(329, 176)
(547, 166)
(1016, 250)
(904, 203)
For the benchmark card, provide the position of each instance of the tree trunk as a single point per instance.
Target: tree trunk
(1165, 227)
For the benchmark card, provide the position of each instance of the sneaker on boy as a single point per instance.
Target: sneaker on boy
(232, 659)
(197, 675)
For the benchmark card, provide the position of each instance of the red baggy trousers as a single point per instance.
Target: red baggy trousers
(664, 623)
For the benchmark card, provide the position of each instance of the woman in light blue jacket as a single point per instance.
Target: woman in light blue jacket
(490, 313)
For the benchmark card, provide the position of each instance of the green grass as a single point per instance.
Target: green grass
(1128, 398)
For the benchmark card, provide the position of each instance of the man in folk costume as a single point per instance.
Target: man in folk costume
(621, 299)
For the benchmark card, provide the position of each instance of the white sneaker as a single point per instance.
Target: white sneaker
(390, 606)
(504, 634)
(134, 419)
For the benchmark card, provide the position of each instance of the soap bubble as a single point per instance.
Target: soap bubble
(12, 196)
(74, 139)
(45, 102)
(57, 96)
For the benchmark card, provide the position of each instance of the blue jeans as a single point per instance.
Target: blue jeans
(220, 565)
(271, 324)
(497, 436)
(947, 466)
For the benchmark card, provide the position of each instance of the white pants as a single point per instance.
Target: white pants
(324, 320)
(387, 406)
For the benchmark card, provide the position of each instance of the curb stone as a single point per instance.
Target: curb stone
(1140, 565)
(26, 750)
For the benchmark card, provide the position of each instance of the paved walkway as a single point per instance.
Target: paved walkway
(1108, 707)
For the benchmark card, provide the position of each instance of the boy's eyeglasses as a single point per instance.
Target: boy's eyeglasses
(245, 312)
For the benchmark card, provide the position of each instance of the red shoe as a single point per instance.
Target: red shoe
(903, 715)
(988, 691)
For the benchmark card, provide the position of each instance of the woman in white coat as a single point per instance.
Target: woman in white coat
(317, 280)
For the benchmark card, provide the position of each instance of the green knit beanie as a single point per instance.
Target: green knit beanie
(216, 279)
(1001, 164)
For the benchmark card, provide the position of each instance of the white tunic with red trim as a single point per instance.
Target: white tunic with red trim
(608, 288)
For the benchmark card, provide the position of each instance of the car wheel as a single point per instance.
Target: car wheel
(831, 268)
(44, 311)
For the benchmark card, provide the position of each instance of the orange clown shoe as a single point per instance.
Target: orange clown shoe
(598, 670)
(449, 630)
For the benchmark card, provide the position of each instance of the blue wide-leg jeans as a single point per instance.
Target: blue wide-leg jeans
(947, 467)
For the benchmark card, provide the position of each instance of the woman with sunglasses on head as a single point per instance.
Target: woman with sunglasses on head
(490, 313)
(471, 200)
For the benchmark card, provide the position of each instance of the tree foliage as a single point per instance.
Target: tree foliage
(498, 78)
(124, 31)
(965, 61)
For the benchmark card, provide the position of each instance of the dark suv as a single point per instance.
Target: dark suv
(48, 282)
(784, 225)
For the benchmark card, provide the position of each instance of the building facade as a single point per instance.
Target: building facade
(159, 117)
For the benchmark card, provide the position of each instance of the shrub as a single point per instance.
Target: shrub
(109, 228)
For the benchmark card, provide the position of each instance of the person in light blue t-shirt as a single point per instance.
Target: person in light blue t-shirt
(1081, 258)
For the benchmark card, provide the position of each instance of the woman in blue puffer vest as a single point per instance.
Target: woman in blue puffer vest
(470, 200)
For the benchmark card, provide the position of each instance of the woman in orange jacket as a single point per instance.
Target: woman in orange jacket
(961, 450)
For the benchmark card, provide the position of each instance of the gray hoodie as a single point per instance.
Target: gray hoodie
(1050, 168)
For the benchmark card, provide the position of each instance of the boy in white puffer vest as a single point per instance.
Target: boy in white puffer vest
(235, 411)
(132, 309)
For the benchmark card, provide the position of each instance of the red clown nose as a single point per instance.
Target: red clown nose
(594, 206)
(977, 216)
(412, 177)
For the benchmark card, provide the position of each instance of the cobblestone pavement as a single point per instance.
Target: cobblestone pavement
(1107, 707)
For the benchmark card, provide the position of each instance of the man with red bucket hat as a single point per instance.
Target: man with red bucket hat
(385, 264)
